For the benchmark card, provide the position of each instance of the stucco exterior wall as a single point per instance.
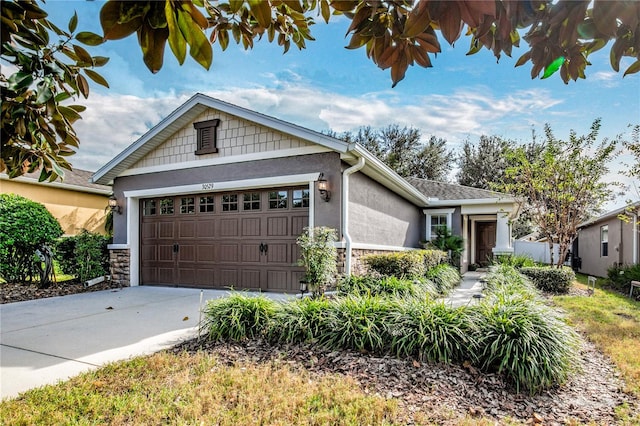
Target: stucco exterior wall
(379, 216)
(326, 213)
(235, 137)
(74, 210)
(589, 247)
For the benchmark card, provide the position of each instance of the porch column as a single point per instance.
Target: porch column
(503, 235)
(466, 236)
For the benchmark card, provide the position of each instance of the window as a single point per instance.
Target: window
(206, 204)
(437, 220)
(251, 201)
(230, 203)
(278, 200)
(300, 198)
(187, 205)
(149, 207)
(166, 206)
(604, 241)
(207, 134)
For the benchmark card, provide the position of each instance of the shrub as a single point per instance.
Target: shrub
(555, 280)
(504, 279)
(620, 277)
(237, 317)
(451, 244)
(25, 226)
(431, 331)
(356, 323)
(318, 255)
(525, 341)
(386, 286)
(405, 264)
(445, 277)
(517, 261)
(85, 255)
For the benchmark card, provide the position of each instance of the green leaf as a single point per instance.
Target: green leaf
(73, 22)
(82, 54)
(177, 42)
(99, 61)
(69, 113)
(44, 92)
(97, 78)
(634, 68)
(553, 67)
(89, 38)
(20, 81)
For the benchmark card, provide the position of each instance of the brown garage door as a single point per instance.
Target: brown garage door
(242, 240)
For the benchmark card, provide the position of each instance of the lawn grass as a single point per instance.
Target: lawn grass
(612, 322)
(197, 388)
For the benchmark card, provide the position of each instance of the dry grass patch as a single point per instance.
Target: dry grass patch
(612, 321)
(199, 389)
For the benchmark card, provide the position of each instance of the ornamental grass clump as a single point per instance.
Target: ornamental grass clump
(356, 323)
(445, 277)
(237, 317)
(431, 331)
(524, 340)
(299, 321)
(385, 286)
(506, 280)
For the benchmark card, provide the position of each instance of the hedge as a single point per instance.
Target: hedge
(405, 264)
(555, 280)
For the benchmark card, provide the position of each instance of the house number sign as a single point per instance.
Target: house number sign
(207, 186)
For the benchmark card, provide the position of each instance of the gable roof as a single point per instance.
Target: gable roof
(613, 213)
(442, 193)
(188, 112)
(74, 180)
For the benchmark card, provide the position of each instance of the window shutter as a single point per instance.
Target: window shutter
(206, 134)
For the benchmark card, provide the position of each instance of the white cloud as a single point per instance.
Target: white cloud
(112, 122)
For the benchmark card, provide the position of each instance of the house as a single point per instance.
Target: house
(215, 195)
(75, 202)
(608, 240)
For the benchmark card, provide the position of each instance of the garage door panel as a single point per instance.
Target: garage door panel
(227, 277)
(277, 280)
(298, 223)
(227, 252)
(187, 229)
(149, 231)
(166, 275)
(250, 278)
(251, 227)
(250, 252)
(278, 253)
(165, 230)
(205, 277)
(186, 276)
(187, 253)
(205, 253)
(229, 227)
(165, 253)
(277, 226)
(149, 253)
(149, 275)
(206, 228)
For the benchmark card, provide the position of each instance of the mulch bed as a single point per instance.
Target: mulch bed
(447, 392)
(11, 292)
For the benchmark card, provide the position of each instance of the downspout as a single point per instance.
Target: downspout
(345, 212)
(635, 237)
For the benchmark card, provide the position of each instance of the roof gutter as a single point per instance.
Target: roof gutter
(345, 212)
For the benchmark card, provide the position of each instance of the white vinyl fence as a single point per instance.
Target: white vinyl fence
(537, 251)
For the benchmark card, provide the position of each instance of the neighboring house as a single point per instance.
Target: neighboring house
(215, 195)
(607, 241)
(75, 202)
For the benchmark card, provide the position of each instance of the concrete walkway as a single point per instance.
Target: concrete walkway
(47, 340)
(469, 286)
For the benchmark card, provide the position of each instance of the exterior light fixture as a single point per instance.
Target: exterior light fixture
(303, 288)
(113, 204)
(323, 188)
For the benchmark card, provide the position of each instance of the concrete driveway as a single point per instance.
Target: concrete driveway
(47, 340)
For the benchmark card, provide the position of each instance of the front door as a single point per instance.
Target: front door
(485, 242)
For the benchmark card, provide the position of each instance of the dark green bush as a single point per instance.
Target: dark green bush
(405, 264)
(555, 280)
(238, 317)
(620, 277)
(386, 286)
(524, 340)
(25, 226)
(85, 255)
(445, 277)
(431, 332)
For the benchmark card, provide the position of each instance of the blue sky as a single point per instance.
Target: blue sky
(329, 87)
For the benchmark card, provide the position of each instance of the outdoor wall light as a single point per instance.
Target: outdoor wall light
(113, 204)
(325, 194)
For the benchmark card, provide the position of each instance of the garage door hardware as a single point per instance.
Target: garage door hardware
(264, 248)
(176, 247)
